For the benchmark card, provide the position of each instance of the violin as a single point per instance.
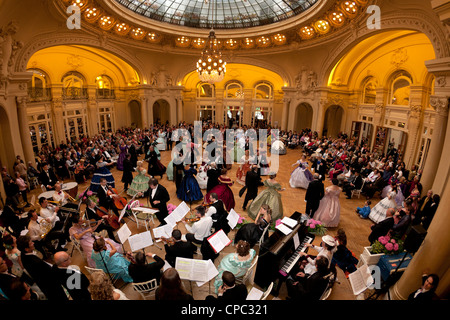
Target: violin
(119, 202)
(169, 241)
(113, 220)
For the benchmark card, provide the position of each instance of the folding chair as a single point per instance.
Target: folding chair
(249, 276)
(112, 276)
(267, 292)
(261, 240)
(146, 289)
(77, 245)
(358, 191)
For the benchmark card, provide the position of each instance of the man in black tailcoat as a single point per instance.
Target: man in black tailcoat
(314, 194)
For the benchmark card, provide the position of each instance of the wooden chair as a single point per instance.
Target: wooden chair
(267, 292)
(249, 276)
(146, 289)
(358, 191)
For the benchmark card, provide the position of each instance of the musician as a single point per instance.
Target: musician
(158, 196)
(326, 249)
(178, 248)
(63, 197)
(200, 229)
(252, 232)
(218, 213)
(36, 233)
(93, 214)
(49, 212)
(141, 271)
(106, 197)
(309, 287)
(47, 177)
(230, 291)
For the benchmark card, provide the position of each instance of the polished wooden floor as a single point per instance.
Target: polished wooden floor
(357, 229)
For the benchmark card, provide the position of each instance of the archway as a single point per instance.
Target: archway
(6, 142)
(333, 121)
(161, 112)
(135, 113)
(303, 116)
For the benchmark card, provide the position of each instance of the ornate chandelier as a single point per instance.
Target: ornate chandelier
(211, 67)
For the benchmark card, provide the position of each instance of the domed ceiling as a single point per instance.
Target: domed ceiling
(219, 14)
(239, 24)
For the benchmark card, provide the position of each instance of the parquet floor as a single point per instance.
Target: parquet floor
(357, 229)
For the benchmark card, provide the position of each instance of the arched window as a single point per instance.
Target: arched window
(400, 88)
(263, 90)
(74, 86)
(39, 86)
(205, 90)
(105, 87)
(234, 90)
(369, 90)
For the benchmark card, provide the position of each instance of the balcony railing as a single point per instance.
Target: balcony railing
(105, 94)
(74, 93)
(39, 94)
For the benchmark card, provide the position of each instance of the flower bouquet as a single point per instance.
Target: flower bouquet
(316, 227)
(85, 196)
(387, 245)
(242, 221)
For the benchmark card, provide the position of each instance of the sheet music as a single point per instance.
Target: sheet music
(122, 213)
(192, 269)
(140, 241)
(283, 228)
(254, 294)
(360, 280)
(233, 218)
(178, 214)
(289, 222)
(296, 241)
(123, 233)
(146, 210)
(163, 231)
(212, 273)
(219, 240)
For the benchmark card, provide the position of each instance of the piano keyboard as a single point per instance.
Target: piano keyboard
(294, 258)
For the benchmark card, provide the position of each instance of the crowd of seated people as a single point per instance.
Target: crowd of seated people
(339, 158)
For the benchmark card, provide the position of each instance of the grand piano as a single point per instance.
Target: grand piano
(280, 253)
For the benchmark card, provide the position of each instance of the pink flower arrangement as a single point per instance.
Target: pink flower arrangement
(316, 227)
(171, 207)
(387, 245)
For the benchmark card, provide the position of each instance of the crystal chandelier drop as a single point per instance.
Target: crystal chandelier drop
(211, 67)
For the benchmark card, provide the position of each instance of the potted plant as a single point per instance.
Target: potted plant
(385, 245)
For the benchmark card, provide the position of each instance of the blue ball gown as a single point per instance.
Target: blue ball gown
(189, 183)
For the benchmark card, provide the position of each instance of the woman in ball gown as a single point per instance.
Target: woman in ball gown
(264, 163)
(189, 189)
(155, 167)
(278, 147)
(329, 210)
(245, 166)
(202, 177)
(161, 140)
(123, 149)
(101, 171)
(399, 197)
(223, 191)
(269, 196)
(252, 232)
(378, 212)
(301, 176)
(140, 181)
(239, 146)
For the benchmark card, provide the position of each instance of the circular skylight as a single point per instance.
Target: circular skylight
(219, 14)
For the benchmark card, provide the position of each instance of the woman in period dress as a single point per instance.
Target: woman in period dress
(264, 163)
(140, 181)
(398, 197)
(122, 154)
(13, 254)
(189, 189)
(278, 147)
(301, 176)
(161, 140)
(223, 191)
(244, 167)
(155, 167)
(237, 263)
(329, 210)
(81, 231)
(202, 177)
(269, 196)
(101, 171)
(378, 212)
